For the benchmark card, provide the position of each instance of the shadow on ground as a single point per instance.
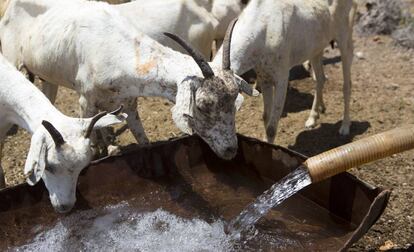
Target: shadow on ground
(326, 137)
(297, 101)
(297, 72)
(331, 61)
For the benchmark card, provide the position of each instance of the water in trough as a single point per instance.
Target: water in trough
(121, 228)
(188, 206)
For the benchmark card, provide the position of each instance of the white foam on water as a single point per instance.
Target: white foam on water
(120, 228)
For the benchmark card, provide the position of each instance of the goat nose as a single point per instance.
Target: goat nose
(230, 151)
(63, 208)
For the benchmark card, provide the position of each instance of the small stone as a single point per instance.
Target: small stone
(393, 86)
(376, 39)
(387, 246)
(113, 150)
(360, 55)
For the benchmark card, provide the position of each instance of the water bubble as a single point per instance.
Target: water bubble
(119, 228)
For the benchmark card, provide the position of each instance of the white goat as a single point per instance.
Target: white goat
(272, 36)
(60, 146)
(91, 48)
(199, 22)
(188, 19)
(224, 11)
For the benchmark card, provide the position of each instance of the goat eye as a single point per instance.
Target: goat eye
(204, 107)
(50, 169)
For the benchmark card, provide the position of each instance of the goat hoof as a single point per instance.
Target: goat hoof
(322, 109)
(2, 181)
(310, 123)
(270, 134)
(144, 141)
(344, 130)
(258, 87)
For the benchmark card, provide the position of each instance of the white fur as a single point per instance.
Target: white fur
(224, 11)
(91, 48)
(188, 19)
(23, 104)
(272, 36)
(199, 22)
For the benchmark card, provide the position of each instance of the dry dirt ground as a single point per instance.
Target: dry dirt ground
(383, 84)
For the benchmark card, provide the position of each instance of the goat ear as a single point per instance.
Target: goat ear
(188, 117)
(188, 130)
(182, 111)
(190, 113)
(36, 158)
(245, 87)
(182, 120)
(108, 120)
(239, 101)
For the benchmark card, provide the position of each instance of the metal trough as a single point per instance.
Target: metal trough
(185, 177)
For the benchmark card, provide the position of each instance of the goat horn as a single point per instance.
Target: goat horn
(226, 45)
(198, 58)
(88, 132)
(117, 111)
(54, 133)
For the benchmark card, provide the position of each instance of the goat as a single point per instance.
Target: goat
(188, 19)
(60, 145)
(224, 11)
(272, 36)
(199, 22)
(68, 44)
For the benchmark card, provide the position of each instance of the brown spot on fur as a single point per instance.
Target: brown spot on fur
(3, 8)
(146, 67)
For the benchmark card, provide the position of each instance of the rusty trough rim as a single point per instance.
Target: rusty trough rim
(374, 212)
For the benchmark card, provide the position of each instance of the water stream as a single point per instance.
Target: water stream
(283, 189)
